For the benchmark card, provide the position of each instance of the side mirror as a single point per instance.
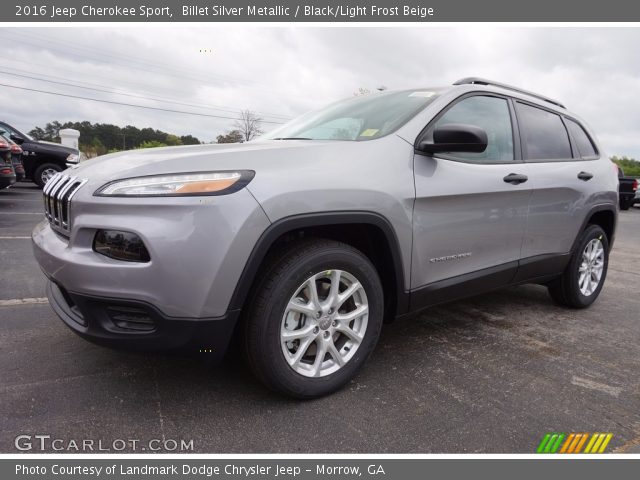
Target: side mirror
(456, 137)
(18, 140)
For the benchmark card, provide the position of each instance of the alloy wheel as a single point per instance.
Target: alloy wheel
(591, 267)
(324, 323)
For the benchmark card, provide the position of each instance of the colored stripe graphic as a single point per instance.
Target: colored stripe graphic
(606, 441)
(592, 441)
(556, 445)
(581, 443)
(543, 443)
(567, 442)
(555, 442)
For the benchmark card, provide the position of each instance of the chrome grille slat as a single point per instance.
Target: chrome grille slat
(60, 201)
(57, 194)
(48, 207)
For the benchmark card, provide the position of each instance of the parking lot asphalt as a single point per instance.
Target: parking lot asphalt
(493, 373)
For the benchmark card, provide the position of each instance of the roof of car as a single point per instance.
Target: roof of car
(504, 86)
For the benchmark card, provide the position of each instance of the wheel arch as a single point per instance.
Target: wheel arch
(605, 216)
(370, 232)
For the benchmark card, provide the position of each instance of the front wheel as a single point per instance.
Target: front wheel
(315, 318)
(582, 280)
(44, 173)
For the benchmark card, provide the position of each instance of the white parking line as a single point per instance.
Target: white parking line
(23, 301)
(14, 237)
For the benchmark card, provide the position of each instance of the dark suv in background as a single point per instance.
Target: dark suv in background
(41, 159)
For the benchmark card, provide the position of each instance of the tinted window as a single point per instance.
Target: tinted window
(492, 115)
(583, 142)
(543, 134)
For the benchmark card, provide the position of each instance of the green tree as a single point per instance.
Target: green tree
(172, 139)
(100, 138)
(189, 140)
(151, 144)
(234, 136)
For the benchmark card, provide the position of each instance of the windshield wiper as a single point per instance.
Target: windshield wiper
(292, 138)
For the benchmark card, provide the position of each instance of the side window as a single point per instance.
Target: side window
(490, 114)
(544, 136)
(583, 142)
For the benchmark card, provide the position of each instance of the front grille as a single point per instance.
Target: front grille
(58, 192)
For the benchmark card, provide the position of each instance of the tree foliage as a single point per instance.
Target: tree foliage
(234, 136)
(151, 144)
(100, 138)
(630, 166)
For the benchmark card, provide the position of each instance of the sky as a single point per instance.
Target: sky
(283, 72)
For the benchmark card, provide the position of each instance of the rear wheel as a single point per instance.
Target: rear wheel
(625, 204)
(315, 318)
(44, 173)
(582, 280)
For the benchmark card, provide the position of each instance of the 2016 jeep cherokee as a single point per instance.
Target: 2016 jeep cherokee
(304, 241)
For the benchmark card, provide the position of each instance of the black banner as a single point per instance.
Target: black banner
(423, 11)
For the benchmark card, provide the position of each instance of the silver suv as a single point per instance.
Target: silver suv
(302, 243)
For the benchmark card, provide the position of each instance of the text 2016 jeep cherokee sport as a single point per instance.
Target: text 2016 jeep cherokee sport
(304, 241)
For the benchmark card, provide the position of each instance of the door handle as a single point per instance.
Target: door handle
(585, 176)
(515, 178)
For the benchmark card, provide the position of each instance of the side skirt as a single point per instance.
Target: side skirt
(538, 269)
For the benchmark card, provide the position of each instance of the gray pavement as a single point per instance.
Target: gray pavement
(492, 373)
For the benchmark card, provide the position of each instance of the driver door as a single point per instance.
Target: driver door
(469, 220)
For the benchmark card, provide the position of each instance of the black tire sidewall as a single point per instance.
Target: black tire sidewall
(572, 286)
(279, 374)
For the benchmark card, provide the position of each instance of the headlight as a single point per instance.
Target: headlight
(72, 158)
(188, 184)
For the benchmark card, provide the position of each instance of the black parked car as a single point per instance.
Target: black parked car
(41, 159)
(16, 157)
(7, 174)
(627, 190)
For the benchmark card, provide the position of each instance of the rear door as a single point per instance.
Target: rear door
(563, 173)
(468, 217)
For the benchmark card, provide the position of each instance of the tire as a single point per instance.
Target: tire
(568, 289)
(44, 172)
(625, 204)
(287, 281)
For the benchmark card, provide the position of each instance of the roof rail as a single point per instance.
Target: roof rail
(484, 81)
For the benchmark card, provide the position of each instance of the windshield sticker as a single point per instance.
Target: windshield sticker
(369, 132)
(422, 94)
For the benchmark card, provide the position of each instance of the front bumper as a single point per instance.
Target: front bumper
(198, 248)
(133, 325)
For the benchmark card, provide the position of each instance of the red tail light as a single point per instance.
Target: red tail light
(635, 185)
(16, 149)
(6, 171)
(3, 144)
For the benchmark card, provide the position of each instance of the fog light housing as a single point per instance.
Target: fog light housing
(120, 245)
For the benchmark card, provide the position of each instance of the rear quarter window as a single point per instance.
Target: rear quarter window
(581, 139)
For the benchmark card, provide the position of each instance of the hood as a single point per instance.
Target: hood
(58, 146)
(201, 158)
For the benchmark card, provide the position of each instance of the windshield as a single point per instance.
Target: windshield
(8, 131)
(361, 118)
